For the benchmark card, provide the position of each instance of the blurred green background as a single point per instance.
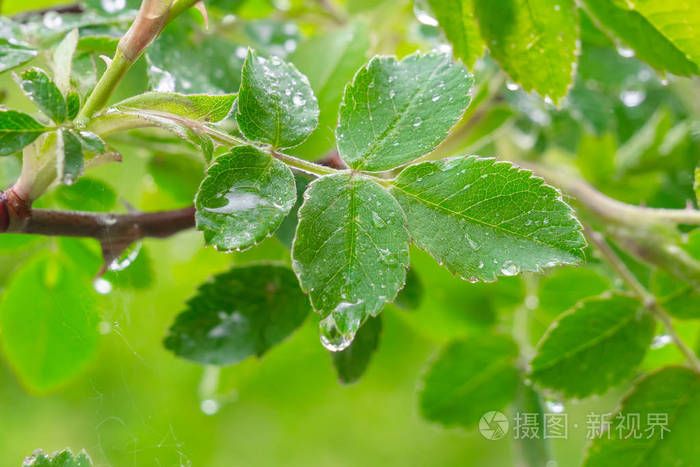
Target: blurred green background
(138, 405)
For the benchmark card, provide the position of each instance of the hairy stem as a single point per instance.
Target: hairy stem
(646, 298)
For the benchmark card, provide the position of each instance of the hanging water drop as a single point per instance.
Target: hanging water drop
(331, 337)
(509, 268)
(102, 286)
(209, 406)
(625, 52)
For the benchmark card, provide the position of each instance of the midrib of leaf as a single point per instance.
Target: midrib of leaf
(351, 231)
(390, 129)
(476, 221)
(485, 374)
(585, 345)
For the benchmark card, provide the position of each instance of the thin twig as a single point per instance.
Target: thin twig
(646, 298)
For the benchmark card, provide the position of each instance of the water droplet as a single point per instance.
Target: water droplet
(417, 122)
(632, 98)
(509, 268)
(127, 257)
(378, 221)
(209, 406)
(331, 337)
(241, 52)
(660, 341)
(625, 52)
(435, 98)
(102, 286)
(298, 100)
(52, 20)
(512, 86)
(554, 406)
(112, 6)
(423, 15)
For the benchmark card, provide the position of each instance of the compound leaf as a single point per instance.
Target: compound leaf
(667, 405)
(574, 356)
(243, 198)
(471, 376)
(483, 218)
(239, 313)
(396, 111)
(351, 248)
(275, 103)
(533, 40)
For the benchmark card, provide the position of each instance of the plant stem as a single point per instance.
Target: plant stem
(646, 298)
(105, 87)
(610, 209)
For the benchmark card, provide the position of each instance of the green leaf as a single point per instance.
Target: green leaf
(667, 404)
(576, 354)
(678, 20)
(63, 60)
(44, 93)
(17, 130)
(535, 42)
(470, 377)
(394, 112)
(70, 164)
(696, 184)
(13, 54)
(199, 107)
(275, 103)
(91, 142)
(243, 198)
(63, 458)
(48, 319)
(351, 250)
(87, 194)
(560, 290)
(456, 18)
(72, 105)
(329, 61)
(240, 313)
(189, 130)
(352, 362)
(483, 218)
(638, 33)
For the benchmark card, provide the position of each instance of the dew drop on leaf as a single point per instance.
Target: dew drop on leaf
(331, 337)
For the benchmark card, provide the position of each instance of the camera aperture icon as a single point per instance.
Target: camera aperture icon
(493, 425)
